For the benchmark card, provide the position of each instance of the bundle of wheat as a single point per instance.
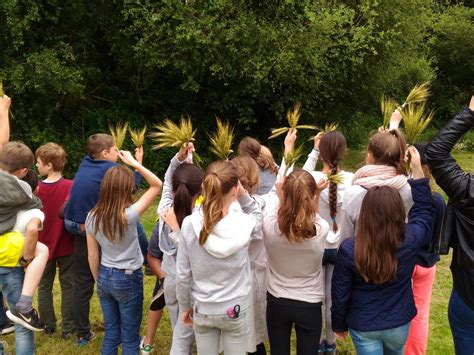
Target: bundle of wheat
(337, 178)
(1, 88)
(118, 133)
(415, 121)
(221, 140)
(387, 105)
(138, 136)
(292, 157)
(293, 118)
(169, 134)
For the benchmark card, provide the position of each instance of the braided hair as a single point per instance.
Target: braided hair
(332, 148)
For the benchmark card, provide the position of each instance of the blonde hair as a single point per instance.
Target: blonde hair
(248, 173)
(52, 153)
(388, 148)
(219, 179)
(297, 212)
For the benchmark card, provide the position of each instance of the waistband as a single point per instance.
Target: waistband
(219, 308)
(112, 270)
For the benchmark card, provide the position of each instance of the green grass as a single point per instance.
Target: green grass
(439, 342)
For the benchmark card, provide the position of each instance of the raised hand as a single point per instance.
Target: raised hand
(127, 158)
(290, 140)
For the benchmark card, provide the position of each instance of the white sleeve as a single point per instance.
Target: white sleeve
(24, 217)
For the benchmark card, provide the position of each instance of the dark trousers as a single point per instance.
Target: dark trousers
(83, 287)
(45, 293)
(282, 314)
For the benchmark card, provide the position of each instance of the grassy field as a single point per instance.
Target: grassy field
(440, 341)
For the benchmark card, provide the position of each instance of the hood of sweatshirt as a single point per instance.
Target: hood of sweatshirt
(230, 234)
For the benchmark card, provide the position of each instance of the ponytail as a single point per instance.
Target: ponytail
(186, 184)
(333, 200)
(219, 179)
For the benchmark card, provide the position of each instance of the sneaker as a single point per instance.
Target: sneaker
(8, 327)
(29, 320)
(86, 339)
(321, 348)
(330, 349)
(158, 301)
(146, 349)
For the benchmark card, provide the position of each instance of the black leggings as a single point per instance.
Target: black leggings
(282, 313)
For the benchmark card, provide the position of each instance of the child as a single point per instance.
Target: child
(102, 155)
(155, 311)
(263, 157)
(330, 148)
(53, 192)
(248, 174)
(117, 266)
(181, 189)
(372, 293)
(21, 208)
(385, 167)
(213, 268)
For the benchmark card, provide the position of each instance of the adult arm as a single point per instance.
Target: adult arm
(5, 102)
(93, 255)
(341, 289)
(447, 172)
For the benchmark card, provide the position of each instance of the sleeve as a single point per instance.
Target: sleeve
(24, 217)
(166, 200)
(347, 222)
(251, 207)
(447, 172)
(183, 272)
(132, 214)
(341, 288)
(138, 180)
(422, 212)
(311, 161)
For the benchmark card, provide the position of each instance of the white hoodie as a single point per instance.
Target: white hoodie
(217, 274)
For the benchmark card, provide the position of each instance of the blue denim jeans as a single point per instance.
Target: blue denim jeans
(121, 298)
(74, 228)
(381, 342)
(11, 283)
(3, 317)
(143, 241)
(461, 321)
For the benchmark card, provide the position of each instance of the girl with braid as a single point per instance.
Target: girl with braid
(330, 149)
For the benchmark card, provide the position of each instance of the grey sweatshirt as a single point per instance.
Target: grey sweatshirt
(217, 275)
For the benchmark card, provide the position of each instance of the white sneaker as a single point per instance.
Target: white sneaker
(146, 349)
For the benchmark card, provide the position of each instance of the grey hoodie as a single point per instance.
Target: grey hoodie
(217, 274)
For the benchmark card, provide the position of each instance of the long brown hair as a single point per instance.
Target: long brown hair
(388, 148)
(248, 173)
(219, 179)
(380, 230)
(116, 194)
(332, 148)
(251, 147)
(186, 185)
(298, 208)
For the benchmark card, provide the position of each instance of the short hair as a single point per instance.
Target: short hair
(52, 153)
(97, 143)
(15, 156)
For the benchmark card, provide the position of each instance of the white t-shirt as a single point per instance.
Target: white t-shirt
(24, 217)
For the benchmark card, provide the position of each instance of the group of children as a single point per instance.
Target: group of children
(242, 251)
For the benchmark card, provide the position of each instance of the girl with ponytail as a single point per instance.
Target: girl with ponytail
(385, 166)
(213, 270)
(182, 186)
(330, 149)
(249, 146)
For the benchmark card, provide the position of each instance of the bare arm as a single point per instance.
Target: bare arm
(155, 266)
(155, 183)
(93, 255)
(5, 102)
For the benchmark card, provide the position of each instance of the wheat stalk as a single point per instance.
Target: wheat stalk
(2, 93)
(293, 117)
(138, 136)
(292, 157)
(118, 133)
(418, 94)
(169, 134)
(387, 105)
(336, 179)
(415, 121)
(221, 140)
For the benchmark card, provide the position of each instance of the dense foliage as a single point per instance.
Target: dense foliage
(73, 67)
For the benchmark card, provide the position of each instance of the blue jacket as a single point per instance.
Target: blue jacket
(86, 187)
(364, 306)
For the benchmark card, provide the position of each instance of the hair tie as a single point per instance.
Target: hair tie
(333, 218)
